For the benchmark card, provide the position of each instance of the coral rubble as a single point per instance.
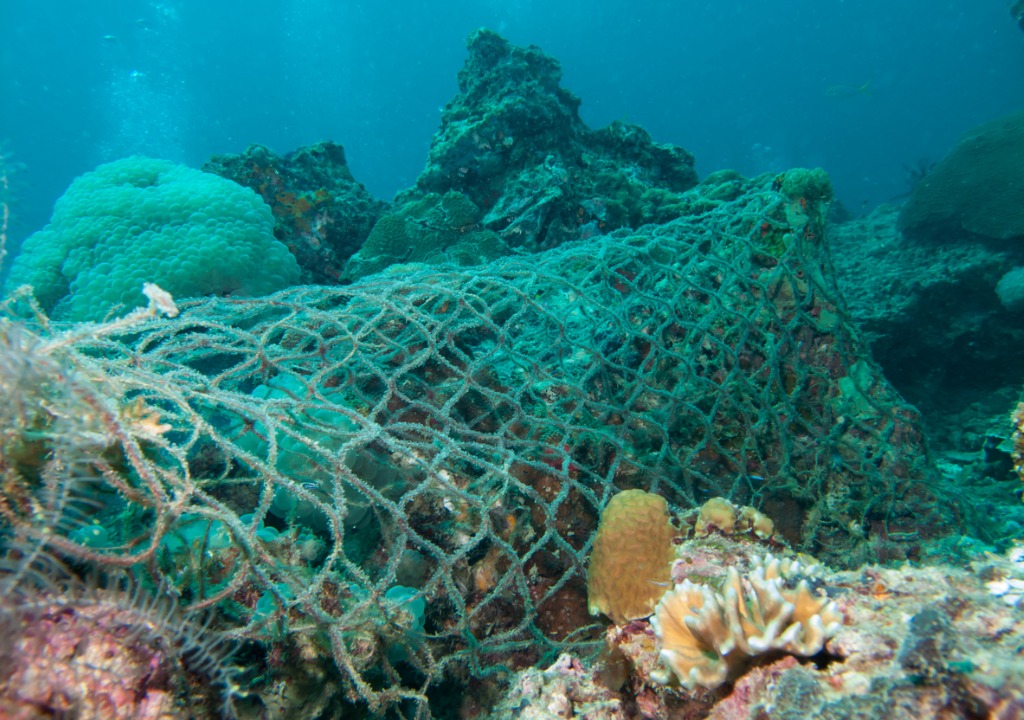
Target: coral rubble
(566, 689)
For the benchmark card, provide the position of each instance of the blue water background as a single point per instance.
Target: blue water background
(749, 84)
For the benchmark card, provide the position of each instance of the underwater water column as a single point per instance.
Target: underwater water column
(147, 101)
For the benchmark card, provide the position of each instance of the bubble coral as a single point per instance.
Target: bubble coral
(630, 565)
(140, 220)
(708, 636)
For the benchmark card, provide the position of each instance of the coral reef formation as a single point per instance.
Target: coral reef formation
(321, 213)
(1010, 289)
(113, 652)
(104, 645)
(937, 283)
(632, 556)
(433, 229)
(386, 493)
(938, 288)
(504, 406)
(1017, 440)
(943, 323)
(721, 516)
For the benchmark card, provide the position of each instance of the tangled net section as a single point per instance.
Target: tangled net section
(398, 482)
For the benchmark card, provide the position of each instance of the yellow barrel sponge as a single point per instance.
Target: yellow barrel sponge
(142, 220)
(631, 563)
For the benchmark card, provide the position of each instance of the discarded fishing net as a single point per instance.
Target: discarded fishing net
(382, 489)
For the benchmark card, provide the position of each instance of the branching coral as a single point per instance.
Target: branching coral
(707, 636)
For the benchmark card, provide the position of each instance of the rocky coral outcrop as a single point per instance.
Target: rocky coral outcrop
(513, 145)
(937, 283)
(320, 211)
(434, 229)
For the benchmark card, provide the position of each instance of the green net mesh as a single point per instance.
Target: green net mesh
(399, 480)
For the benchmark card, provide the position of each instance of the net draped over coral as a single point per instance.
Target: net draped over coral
(308, 464)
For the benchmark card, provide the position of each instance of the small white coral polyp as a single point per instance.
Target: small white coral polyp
(707, 636)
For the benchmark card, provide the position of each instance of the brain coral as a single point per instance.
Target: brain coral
(143, 220)
(977, 188)
(630, 565)
(708, 635)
